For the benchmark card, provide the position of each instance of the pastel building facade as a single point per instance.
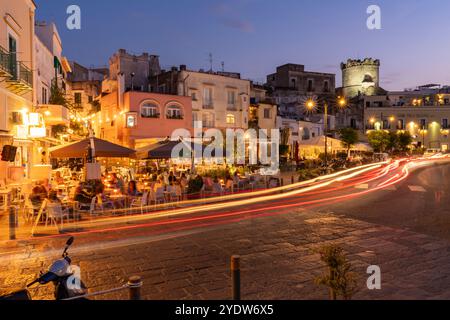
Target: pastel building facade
(262, 113)
(17, 62)
(51, 70)
(137, 118)
(424, 113)
(219, 99)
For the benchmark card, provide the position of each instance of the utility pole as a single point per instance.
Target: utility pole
(210, 62)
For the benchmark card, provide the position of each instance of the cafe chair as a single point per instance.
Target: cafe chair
(159, 196)
(55, 213)
(140, 202)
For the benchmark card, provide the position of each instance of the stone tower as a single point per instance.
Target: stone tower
(360, 76)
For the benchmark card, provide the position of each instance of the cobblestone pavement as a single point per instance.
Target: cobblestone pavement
(278, 260)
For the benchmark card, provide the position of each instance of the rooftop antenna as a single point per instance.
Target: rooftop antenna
(210, 62)
(223, 66)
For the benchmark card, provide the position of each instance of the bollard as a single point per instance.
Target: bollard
(12, 223)
(236, 277)
(292, 179)
(135, 284)
(281, 182)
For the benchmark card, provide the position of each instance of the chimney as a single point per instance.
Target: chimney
(155, 67)
(120, 89)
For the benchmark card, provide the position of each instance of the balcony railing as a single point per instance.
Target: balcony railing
(208, 105)
(208, 124)
(25, 75)
(231, 107)
(150, 116)
(21, 79)
(5, 70)
(174, 116)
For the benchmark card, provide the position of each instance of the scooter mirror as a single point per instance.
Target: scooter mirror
(70, 241)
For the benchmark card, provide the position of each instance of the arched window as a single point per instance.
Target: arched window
(368, 78)
(231, 119)
(174, 112)
(149, 110)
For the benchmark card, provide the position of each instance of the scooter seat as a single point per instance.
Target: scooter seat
(15, 295)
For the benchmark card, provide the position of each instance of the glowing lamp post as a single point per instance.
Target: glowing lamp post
(311, 105)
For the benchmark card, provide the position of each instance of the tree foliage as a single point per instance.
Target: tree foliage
(404, 140)
(349, 138)
(379, 140)
(389, 141)
(58, 96)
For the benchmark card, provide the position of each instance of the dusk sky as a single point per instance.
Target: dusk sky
(255, 36)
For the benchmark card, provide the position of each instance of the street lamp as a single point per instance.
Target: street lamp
(311, 105)
(132, 78)
(424, 132)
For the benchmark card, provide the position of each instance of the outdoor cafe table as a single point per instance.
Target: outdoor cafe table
(5, 194)
(118, 199)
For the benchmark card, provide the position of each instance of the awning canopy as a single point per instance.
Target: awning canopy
(335, 144)
(163, 150)
(103, 149)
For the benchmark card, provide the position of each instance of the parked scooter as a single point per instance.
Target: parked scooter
(61, 274)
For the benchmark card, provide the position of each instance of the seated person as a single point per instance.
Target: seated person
(216, 187)
(183, 182)
(117, 182)
(53, 197)
(81, 196)
(132, 189)
(38, 195)
(58, 178)
(229, 183)
(171, 178)
(175, 189)
(208, 183)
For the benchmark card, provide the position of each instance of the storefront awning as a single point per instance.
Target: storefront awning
(103, 149)
(163, 150)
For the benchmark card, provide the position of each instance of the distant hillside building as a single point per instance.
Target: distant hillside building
(84, 86)
(292, 80)
(423, 112)
(136, 68)
(290, 86)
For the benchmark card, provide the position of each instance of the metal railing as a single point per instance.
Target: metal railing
(133, 286)
(16, 71)
(4, 62)
(208, 105)
(25, 75)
